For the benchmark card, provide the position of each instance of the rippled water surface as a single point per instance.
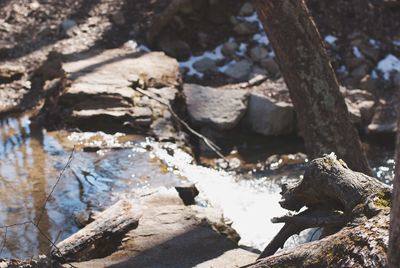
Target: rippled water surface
(31, 160)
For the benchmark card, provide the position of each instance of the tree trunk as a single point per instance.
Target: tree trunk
(322, 113)
(336, 197)
(394, 239)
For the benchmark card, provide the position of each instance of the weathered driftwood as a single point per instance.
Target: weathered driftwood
(337, 199)
(100, 237)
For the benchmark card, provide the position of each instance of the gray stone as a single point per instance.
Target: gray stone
(240, 70)
(205, 64)
(119, 18)
(268, 116)
(175, 48)
(270, 65)
(219, 108)
(246, 10)
(258, 53)
(360, 71)
(229, 48)
(360, 104)
(246, 28)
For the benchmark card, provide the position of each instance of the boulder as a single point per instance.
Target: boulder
(175, 48)
(246, 28)
(170, 234)
(239, 70)
(98, 92)
(360, 104)
(268, 116)
(270, 65)
(384, 120)
(258, 53)
(229, 48)
(205, 65)
(219, 108)
(246, 10)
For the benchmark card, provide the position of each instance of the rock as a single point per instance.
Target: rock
(175, 48)
(360, 104)
(119, 18)
(98, 94)
(367, 83)
(371, 52)
(353, 62)
(246, 28)
(170, 234)
(384, 120)
(34, 5)
(360, 72)
(10, 72)
(239, 70)
(258, 53)
(205, 65)
(396, 79)
(268, 116)
(187, 193)
(120, 67)
(219, 108)
(270, 65)
(229, 48)
(246, 10)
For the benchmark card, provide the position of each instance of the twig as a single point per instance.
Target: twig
(36, 224)
(207, 141)
(52, 243)
(55, 185)
(5, 241)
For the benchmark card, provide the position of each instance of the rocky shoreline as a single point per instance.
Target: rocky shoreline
(218, 82)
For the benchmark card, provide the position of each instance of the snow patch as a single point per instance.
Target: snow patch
(357, 53)
(389, 64)
(215, 54)
(330, 39)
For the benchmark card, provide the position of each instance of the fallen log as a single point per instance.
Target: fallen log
(353, 210)
(102, 236)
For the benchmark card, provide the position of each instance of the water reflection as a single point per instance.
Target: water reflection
(31, 160)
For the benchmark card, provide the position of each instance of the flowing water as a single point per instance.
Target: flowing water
(32, 159)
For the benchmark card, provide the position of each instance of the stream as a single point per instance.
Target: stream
(32, 159)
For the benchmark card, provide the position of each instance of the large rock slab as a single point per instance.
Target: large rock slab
(172, 235)
(98, 91)
(120, 66)
(215, 107)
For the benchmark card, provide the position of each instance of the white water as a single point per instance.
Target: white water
(250, 204)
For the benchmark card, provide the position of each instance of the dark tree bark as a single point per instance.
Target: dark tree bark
(394, 239)
(353, 210)
(320, 107)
